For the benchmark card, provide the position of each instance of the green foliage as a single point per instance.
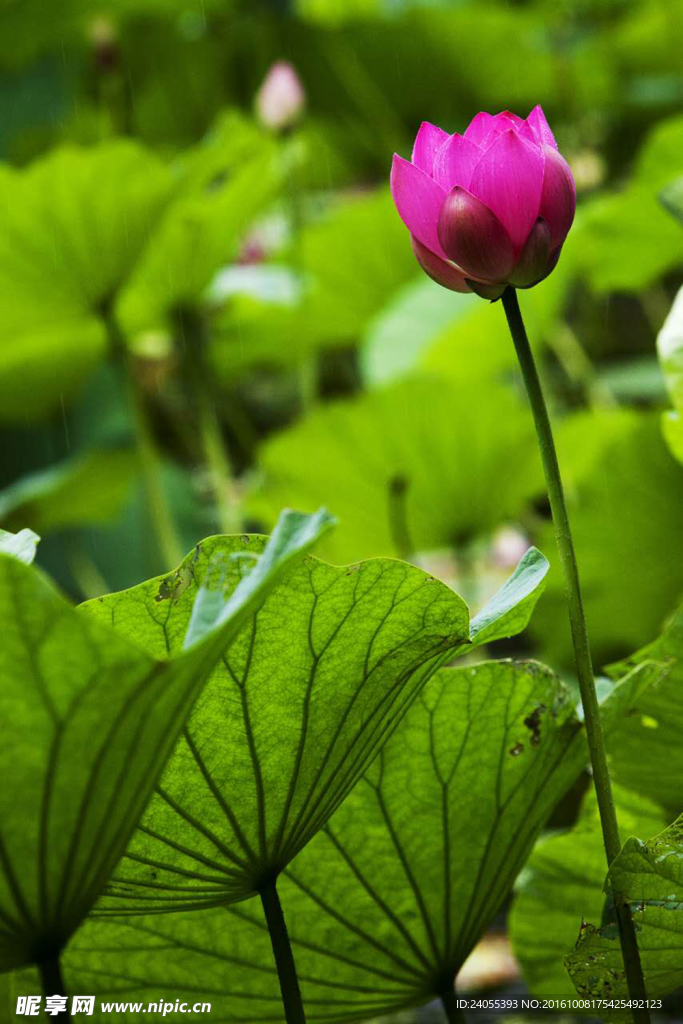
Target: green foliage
(670, 348)
(475, 345)
(245, 305)
(91, 488)
(381, 914)
(627, 240)
(646, 751)
(563, 885)
(672, 198)
(87, 228)
(374, 459)
(621, 480)
(347, 276)
(73, 224)
(398, 336)
(89, 721)
(225, 183)
(649, 876)
(293, 714)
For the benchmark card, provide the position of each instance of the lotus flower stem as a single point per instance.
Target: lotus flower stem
(160, 514)
(398, 517)
(52, 982)
(582, 655)
(192, 334)
(284, 958)
(151, 469)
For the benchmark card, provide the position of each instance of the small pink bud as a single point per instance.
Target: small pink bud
(281, 98)
(489, 208)
(509, 545)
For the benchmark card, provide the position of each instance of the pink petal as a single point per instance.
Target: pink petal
(540, 127)
(439, 270)
(558, 196)
(474, 238)
(490, 138)
(508, 179)
(455, 161)
(552, 263)
(534, 257)
(427, 141)
(506, 120)
(418, 200)
(479, 127)
(527, 132)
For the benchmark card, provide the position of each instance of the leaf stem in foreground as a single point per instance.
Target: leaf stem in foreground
(192, 335)
(52, 982)
(582, 656)
(167, 538)
(284, 958)
(449, 1001)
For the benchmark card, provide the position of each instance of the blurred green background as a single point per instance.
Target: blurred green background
(258, 293)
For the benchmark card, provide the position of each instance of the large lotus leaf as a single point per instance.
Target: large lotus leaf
(563, 884)
(397, 338)
(645, 751)
(625, 493)
(356, 258)
(649, 875)
(386, 903)
(73, 225)
(293, 714)
(223, 185)
(428, 452)
(670, 349)
(475, 342)
(351, 262)
(626, 240)
(88, 720)
(90, 488)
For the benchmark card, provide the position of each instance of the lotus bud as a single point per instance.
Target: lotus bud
(281, 98)
(489, 208)
(508, 547)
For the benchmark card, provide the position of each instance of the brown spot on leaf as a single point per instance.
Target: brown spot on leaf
(533, 724)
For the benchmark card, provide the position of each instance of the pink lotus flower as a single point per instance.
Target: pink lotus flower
(489, 208)
(281, 98)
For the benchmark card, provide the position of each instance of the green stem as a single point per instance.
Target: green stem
(151, 469)
(466, 565)
(219, 466)
(284, 958)
(307, 369)
(577, 619)
(308, 383)
(579, 368)
(449, 1001)
(192, 330)
(398, 517)
(52, 982)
